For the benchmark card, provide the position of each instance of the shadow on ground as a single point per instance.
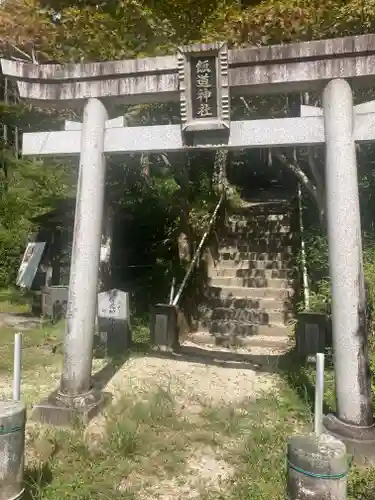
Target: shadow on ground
(261, 363)
(101, 378)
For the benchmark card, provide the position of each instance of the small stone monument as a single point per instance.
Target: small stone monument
(114, 321)
(312, 333)
(164, 328)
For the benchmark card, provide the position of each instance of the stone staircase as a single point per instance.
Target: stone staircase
(248, 302)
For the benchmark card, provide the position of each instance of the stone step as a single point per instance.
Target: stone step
(257, 239)
(241, 328)
(232, 272)
(256, 246)
(257, 230)
(251, 282)
(255, 265)
(264, 303)
(233, 254)
(254, 316)
(277, 211)
(258, 341)
(248, 218)
(261, 215)
(255, 293)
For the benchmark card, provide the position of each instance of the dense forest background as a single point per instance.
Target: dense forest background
(167, 195)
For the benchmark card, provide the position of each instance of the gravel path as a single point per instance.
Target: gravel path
(217, 376)
(200, 378)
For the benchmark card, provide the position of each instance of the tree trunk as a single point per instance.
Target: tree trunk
(314, 190)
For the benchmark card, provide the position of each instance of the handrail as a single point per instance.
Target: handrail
(198, 252)
(171, 293)
(306, 289)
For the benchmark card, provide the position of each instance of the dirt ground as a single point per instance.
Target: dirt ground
(211, 379)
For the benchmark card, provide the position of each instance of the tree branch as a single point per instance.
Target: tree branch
(304, 180)
(319, 181)
(17, 49)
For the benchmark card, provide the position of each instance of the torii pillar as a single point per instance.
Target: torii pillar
(353, 421)
(76, 397)
(354, 418)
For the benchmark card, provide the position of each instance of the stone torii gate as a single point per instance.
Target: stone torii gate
(203, 78)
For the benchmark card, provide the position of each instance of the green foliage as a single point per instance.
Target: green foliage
(76, 30)
(26, 191)
(369, 269)
(318, 271)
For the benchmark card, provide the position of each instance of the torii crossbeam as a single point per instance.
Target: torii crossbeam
(277, 132)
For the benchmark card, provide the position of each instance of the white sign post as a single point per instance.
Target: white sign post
(30, 264)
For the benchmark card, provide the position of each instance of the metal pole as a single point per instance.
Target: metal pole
(353, 387)
(171, 294)
(83, 284)
(305, 278)
(17, 367)
(319, 394)
(197, 254)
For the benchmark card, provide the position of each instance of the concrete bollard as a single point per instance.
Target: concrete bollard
(12, 449)
(317, 468)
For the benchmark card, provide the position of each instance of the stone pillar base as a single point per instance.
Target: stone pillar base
(359, 441)
(164, 329)
(65, 411)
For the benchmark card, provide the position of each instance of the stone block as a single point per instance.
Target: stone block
(164, 327)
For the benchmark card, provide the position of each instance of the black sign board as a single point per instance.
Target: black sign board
(204, 87)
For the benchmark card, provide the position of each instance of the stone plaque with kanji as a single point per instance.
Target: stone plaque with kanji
(204, 87)
(204, 90)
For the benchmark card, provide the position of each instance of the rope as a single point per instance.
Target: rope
(318, 476)
(9, 430)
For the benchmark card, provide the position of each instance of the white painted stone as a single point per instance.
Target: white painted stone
(113, 304)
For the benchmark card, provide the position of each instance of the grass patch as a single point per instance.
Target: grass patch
(144, 439)
(141, 331)
(301, 378)
(40, 366)
(146, 442)
(36, 347)
(262, 427)
(12, 300)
